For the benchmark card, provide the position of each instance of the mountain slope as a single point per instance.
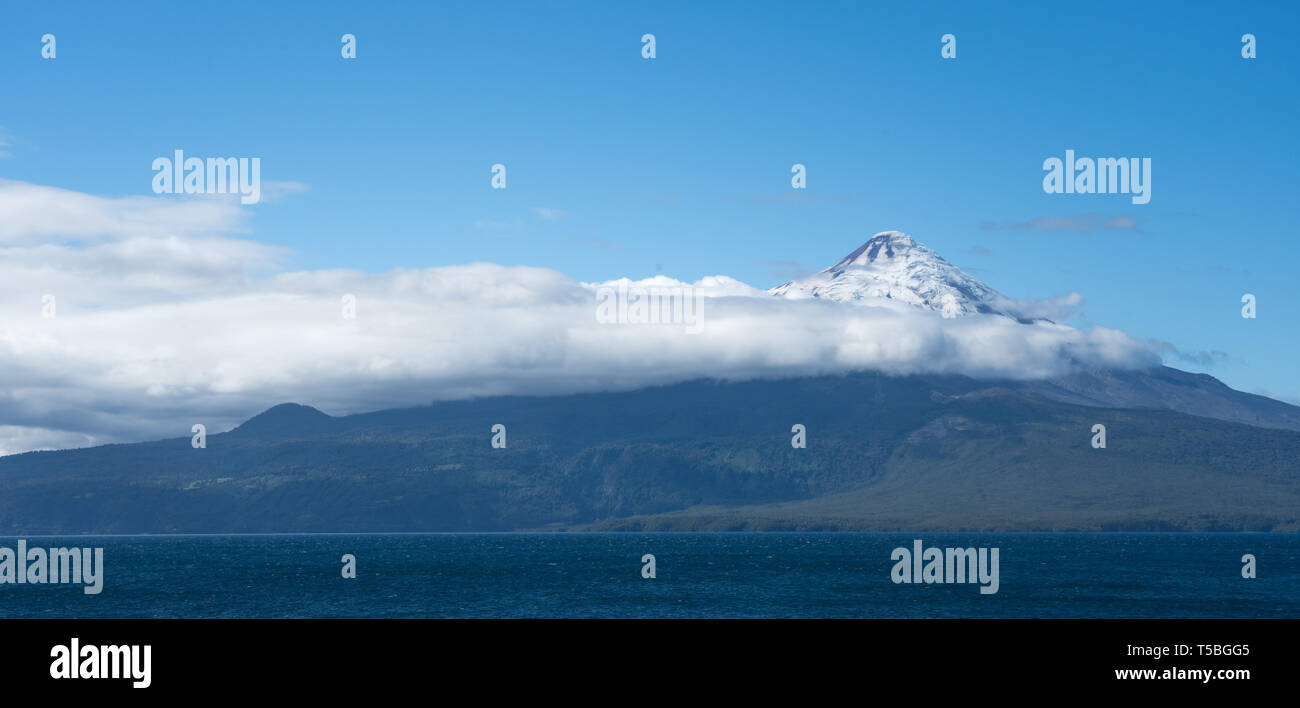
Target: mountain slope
(935, 452)
(1170, 389)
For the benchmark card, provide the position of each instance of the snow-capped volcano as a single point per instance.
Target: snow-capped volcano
(893, 265)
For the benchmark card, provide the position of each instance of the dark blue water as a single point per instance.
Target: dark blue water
(698, 575)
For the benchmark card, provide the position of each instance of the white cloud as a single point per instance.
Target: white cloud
(15, 439)
(276, 191)
(160, 325)
(1062, 308)
(548, 213)
(32, 213)
(498, 225)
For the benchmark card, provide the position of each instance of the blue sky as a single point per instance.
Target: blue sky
(681, 165)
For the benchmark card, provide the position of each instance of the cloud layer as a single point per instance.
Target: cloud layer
(1085, 222)
(161, 321)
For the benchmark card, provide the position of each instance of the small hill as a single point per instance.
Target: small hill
(287, 420)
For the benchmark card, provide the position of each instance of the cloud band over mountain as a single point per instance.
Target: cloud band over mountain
(163, 321)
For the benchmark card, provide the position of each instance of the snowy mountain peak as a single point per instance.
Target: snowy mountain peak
(885, 244)
(893, 265)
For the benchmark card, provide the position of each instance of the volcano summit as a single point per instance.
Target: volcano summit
(893, 265)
